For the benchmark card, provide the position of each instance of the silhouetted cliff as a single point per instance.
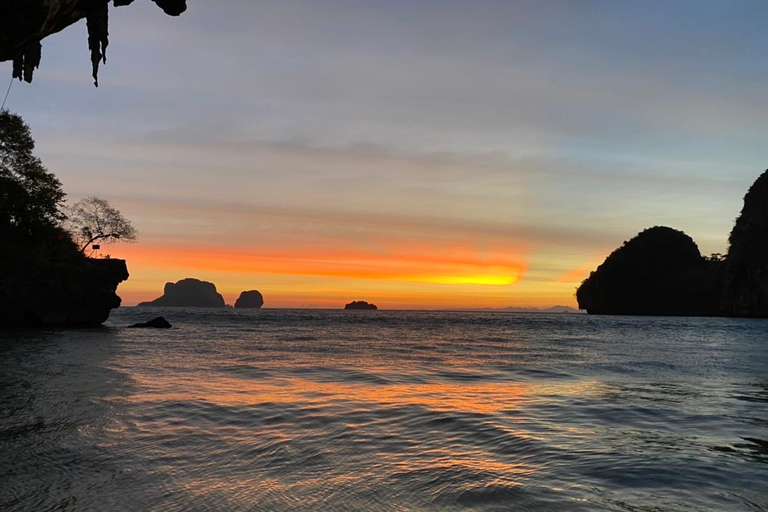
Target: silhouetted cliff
(661, 272)
(746, 267)
(360, 304)
(251, 299)
(49, 283)
(191, 293)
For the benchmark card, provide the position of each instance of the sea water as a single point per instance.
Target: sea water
(386, 411)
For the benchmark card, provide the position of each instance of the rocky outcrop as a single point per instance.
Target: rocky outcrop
(746, 266)
(64, 291)
(251, 299)
(661, 272)
(25, 23)
(190, 293)
(360, 304)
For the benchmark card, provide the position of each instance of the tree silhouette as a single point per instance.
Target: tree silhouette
(94, 220)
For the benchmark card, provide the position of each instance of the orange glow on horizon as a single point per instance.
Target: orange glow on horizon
(406, 265)
(423, 275)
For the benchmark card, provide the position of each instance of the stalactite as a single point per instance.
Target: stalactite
(97, 19)
(24, 23)
(27, 61)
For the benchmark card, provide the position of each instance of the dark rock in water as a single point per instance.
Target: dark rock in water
(746, 266)
(25, 23)
(190, 293)
(251, 299)
(155, 323)
(360, 304)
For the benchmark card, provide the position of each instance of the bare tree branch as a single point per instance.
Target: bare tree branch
(93, 219)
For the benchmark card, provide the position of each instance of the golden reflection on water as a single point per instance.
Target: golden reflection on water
(439, 396)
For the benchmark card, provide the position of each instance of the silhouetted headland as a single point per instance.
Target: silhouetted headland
(662, 272)
(190, 293)
(24, 24)
(360, 304)
(251, 299)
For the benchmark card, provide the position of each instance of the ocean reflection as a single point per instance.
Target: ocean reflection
(407, 411)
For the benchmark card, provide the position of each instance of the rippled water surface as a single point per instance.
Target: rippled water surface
(392, 411)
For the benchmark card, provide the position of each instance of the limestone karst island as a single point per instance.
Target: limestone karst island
(194, 293)
(662, 272)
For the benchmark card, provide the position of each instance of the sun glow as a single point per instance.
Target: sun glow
(513, 277)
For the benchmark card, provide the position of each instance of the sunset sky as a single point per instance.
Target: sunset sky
(416, 154)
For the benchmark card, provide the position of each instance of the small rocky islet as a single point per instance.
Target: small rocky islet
(251, 299)
(360, 304)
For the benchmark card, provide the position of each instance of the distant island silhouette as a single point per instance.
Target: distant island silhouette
(190, 293)
(251, 299)
(662, 272)
(360, 304)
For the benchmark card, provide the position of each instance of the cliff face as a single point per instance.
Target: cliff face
(25, 23)
(746, 268)
(190, 293)
(58, 290)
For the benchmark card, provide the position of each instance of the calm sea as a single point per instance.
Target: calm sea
(390, 411)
